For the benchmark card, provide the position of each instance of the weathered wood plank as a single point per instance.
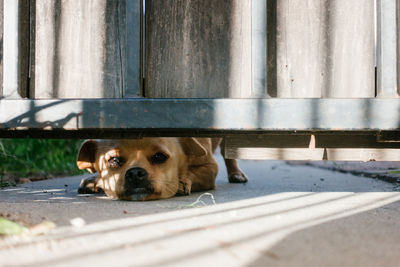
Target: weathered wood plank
(313, 154)
(316, 140)
(23, 48)
(296, 45)
(321, 48)
(10, 49)
(271, 36)
(350, 49)
(15, 61)
(1, 46)
(131, 56)
(363, 154)
(274, 153)
(259, 48)
(80, 49)
(203, 49)
(340, 146)
(32, 38)
(387, 48)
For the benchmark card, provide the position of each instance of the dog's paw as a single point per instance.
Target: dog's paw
(89, 186)
(184, 188)
(238, 178)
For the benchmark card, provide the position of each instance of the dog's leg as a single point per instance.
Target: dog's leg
(198, 178)
(185, 187)
(91, 185)
(235, 174)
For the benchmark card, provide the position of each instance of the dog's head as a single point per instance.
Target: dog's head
(139, 169)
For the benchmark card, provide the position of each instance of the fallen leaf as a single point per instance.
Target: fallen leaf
(8, 227)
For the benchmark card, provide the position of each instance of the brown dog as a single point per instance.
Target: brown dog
(152, 168)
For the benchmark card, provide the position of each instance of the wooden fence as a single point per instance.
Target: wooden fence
(105, 68)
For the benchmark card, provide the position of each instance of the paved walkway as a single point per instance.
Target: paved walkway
(286, 215)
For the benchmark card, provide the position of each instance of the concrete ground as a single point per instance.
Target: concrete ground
(286, 215)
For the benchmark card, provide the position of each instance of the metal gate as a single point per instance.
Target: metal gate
(306, 79)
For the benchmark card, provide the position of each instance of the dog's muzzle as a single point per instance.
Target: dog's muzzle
(137, 185)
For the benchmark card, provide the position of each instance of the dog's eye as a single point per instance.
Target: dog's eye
(158, 158)
(115, 162)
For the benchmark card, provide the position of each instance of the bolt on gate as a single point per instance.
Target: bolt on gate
(305, 79)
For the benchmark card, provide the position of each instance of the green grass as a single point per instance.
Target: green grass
(37, 157)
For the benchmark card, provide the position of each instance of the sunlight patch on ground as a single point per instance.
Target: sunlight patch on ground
(233, 233)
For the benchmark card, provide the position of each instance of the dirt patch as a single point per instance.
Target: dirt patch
(388, 171)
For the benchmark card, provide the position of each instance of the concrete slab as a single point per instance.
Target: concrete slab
(285, 215)
(387, 170)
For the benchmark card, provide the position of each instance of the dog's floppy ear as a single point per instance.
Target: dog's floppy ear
(87, 156)
(192, 147)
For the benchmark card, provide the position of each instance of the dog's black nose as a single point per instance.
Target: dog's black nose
(136, 178)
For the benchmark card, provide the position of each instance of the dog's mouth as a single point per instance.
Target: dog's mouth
(138, 194)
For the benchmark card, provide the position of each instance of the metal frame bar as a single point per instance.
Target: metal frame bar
(200, 115)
